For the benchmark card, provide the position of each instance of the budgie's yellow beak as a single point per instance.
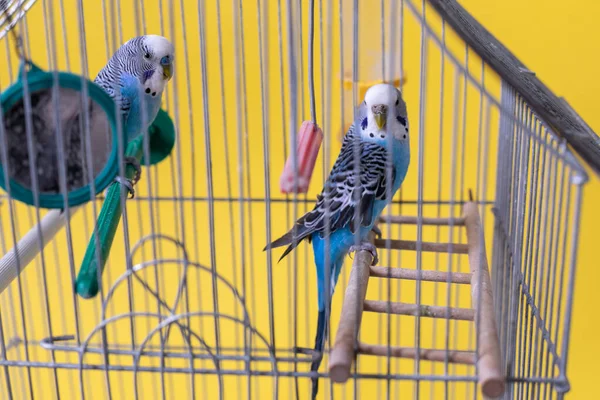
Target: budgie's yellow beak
(380, 115)
(167, 71)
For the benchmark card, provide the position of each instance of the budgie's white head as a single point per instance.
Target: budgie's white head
(149, 58)
(384, 113)
(157, 55)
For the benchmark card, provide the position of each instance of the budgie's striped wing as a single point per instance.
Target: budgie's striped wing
(112, 82)
(113, 79)
(341, 195)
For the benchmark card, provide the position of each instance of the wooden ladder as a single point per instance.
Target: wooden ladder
(487, 360)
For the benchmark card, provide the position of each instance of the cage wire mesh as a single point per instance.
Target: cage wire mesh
(189, 303)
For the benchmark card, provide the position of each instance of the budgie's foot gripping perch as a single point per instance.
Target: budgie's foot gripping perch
(130, 183)
(136, 165)
(368, 246)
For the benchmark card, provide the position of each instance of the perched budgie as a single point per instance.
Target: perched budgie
(136, 75)
(379, 131)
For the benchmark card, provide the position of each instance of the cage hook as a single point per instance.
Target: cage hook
(13, 30)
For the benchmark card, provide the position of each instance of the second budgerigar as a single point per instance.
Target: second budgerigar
(375, 149)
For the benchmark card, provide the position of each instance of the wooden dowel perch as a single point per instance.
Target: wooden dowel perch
(457, 248)
(464, 314)
(458, 357)
(407, 220)
(412, 274)
(491, 378)
(342, 354)
(487, 356)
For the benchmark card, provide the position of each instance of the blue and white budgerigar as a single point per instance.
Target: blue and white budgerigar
(379, 132)
(135, 77)
(137, 74)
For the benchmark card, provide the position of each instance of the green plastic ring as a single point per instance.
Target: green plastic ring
(162, 138)
(37, 79)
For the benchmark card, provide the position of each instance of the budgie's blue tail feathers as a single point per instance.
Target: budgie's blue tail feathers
(319, 345)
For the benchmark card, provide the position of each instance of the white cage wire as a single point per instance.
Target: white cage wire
(190, 306)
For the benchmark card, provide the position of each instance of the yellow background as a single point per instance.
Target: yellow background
(553, 38)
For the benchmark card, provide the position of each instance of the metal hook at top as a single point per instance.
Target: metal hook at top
(12, 27)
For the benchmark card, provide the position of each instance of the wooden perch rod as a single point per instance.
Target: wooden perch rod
(412, 274)
(464, 314)
(407, 220)
(343, 352)
(395, 244)
(457, 357)
(491, 378)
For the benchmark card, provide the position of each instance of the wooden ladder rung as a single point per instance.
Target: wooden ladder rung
(406, 220)
(454, 356)
(463, 314)
(426, 275)
(457, 248)
(490, 374)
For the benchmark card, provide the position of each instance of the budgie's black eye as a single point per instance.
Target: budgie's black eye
(397, 101)
(147, 55)
(364, 124)
(401, 120)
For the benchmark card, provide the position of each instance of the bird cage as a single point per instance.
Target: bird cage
(473, 293)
